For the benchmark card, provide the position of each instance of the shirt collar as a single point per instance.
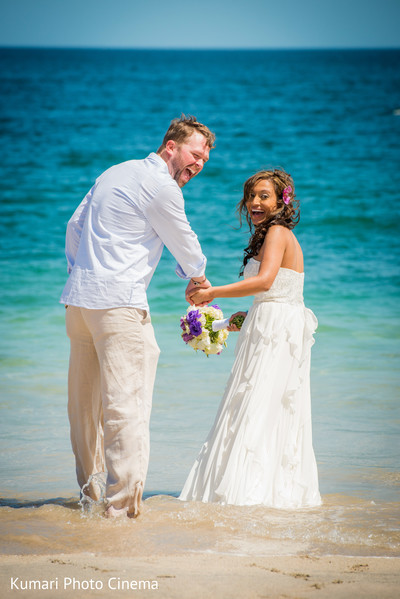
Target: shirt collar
(156, 158)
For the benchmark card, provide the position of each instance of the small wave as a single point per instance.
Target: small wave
(341, 526)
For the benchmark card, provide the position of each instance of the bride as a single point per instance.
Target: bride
(259, 450)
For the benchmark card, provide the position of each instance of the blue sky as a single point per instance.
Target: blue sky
(205, 24)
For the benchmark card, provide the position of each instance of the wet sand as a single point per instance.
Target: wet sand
(345, 549)
(195, 576)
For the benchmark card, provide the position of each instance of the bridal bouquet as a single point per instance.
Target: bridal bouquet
(197, 327)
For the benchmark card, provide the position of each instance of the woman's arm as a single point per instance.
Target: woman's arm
(272, 252)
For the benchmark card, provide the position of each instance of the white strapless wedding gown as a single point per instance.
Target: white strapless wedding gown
(259, 451)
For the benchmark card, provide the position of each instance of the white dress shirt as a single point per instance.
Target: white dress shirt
(116, 236)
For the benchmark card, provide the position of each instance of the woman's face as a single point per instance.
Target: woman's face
(262, 201)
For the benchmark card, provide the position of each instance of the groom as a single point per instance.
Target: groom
(114, 241)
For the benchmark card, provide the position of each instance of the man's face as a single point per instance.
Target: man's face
(187, 159)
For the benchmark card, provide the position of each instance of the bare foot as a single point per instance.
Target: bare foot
(112, 512)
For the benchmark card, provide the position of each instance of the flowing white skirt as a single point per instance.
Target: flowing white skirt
(259, 450)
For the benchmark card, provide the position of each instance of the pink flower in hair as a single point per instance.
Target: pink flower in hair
(286, 194)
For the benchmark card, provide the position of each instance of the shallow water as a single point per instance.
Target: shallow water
(342, 526)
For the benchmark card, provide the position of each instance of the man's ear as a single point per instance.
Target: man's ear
(170, 146)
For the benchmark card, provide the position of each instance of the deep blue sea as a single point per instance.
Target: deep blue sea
(331, 119)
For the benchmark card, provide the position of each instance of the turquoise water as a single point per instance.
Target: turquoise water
(330, 118)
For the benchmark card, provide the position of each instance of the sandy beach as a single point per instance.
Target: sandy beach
(191, 550)
(194, 576)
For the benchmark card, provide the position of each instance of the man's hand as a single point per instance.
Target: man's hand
(193, 287)
(202, 297)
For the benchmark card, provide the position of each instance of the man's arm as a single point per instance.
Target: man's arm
(166, 214)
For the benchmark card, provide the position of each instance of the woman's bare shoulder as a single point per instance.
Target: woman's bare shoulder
(279, 232)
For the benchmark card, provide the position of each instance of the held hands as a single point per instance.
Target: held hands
(201, 296)
(193, 289)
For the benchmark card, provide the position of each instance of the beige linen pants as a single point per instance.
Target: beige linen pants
(111, 376)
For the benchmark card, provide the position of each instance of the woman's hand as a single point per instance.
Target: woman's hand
(233, 328)
(192, 287)
(202, 297)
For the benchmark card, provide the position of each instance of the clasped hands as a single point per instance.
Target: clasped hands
(199, 295)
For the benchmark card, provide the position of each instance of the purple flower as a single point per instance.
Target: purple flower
(193, 315)
(216, 307)
(183, 324)
(193, 320)
(186, 337)
(195, 328)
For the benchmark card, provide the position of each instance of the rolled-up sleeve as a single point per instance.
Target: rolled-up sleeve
(166, 214)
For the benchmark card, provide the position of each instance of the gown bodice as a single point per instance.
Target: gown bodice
(287, 287)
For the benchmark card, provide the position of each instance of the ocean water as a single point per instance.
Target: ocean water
(332, 119)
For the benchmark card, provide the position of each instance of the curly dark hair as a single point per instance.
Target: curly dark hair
(286, 215)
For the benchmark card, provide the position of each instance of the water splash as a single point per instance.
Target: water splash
(95, 487)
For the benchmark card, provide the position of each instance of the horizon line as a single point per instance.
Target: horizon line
(198, 49)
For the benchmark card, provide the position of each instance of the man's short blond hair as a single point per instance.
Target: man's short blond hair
(181, 129)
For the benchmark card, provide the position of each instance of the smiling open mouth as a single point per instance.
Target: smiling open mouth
(188, 173)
